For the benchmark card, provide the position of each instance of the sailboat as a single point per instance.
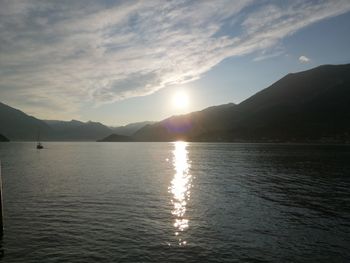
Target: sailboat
(39, 145)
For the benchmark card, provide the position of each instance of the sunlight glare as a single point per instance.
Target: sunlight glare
(180, 186)
(181, 100)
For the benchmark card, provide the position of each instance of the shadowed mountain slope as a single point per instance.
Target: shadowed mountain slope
(16, 125)
(78, 131)
(116, 138)
(3, 138)
(309, 106)
(312, 105)
(131, 128)
(187, 127)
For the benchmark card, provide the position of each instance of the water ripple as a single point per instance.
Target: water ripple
(139, 202)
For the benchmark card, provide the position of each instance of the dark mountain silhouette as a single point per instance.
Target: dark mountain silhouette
(187, 127)
(313, 105)
(63, 125)
(117, 138)
(16, 125)
(309, 106)
(131, 128)
(3, 138)
(77, 131)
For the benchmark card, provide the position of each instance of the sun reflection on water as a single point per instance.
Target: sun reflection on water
(180, 188)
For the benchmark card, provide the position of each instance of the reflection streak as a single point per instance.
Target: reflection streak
(180, 187)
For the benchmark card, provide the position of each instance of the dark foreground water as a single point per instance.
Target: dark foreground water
(175, 202)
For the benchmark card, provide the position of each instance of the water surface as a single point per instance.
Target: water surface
(171, 202)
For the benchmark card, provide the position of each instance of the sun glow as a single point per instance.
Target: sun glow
(181, 100)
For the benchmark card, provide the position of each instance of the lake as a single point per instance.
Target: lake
(175, 202)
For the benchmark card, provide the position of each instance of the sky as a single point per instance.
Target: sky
(119, 62)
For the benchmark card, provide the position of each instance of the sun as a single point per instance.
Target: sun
(181, 100)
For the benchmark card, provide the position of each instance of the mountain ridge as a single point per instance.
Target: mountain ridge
(19, 126)
(16, 125)
(77, 130)
(312, 105)
(131, 128)
(307, 106)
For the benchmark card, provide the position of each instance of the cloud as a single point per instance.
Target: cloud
(69, 53)
(304, 59)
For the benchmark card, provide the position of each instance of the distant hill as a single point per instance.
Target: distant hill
(16, 125)
(309, 106)
(117, 138)
(77, 131)
(131, 128)
(3, 138)
(313, 105)
(187, 127)
(63, 125)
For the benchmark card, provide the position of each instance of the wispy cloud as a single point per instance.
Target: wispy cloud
(273, 52)
(66, 53)
(304, 59)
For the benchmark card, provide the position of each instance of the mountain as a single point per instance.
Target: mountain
(187, 127)
(116, 138)
(16, 125)
(77, 131)
(131, 128)
(3, 138)
(63, 125)
(91, 131)
(312, 105)
(309, 105)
